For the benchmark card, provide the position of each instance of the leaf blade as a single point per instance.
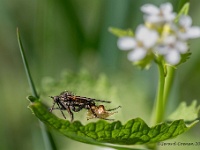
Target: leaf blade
(135, 131)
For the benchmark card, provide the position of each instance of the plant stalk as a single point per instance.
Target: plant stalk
(168, 85)
(47, 137)
(158, 111)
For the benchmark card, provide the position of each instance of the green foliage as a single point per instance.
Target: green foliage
(188, 113)
(184, 57)
(26, 67)
(120, 32)
(135, 131)
(81, 83)
(184, 11)
(144, 63)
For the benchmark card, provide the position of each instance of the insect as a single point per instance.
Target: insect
(100, 112)
(70, 102)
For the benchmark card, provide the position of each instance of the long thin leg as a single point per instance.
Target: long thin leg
(113, 108)
(106, 119)
(99, 118)
(69, 111)
(58, 108)
(61, 110)
(76, 109)
(51, 109)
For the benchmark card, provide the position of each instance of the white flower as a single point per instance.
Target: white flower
(158, 15)
(185, 29)
(126, 43)
(173, 57)
(172, 48)
(143, 41)
(161, 36)
(137, 55)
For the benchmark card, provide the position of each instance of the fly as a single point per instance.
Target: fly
(72, 103)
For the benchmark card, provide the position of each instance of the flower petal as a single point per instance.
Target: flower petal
(151, 39)
(193, 32)
(173, 57)
(153, 19)
(170, 39)
(150, 9)
(181, 46)
(169, 17)
(166, 8)
(185, 21)
(126, 43)
(137, 54)
(146, 36)
(161, 49)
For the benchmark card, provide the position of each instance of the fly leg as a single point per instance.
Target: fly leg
(52, 108)
(60, 107)
(78, 108)
(56, 108)
(69, 111)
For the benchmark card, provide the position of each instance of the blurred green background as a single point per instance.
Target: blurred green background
(73, 35)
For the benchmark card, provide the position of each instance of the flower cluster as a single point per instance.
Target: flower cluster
(160, 35)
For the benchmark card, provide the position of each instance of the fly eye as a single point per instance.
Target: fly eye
(56, 99)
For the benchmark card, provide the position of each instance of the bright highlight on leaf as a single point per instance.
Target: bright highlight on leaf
(135, 131)
(188, 113)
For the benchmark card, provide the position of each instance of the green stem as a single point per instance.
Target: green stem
(158, 111)
(47, 137)
(158, 105)
(166, 77)
(160, 94)
(168, 84)
(26, 67)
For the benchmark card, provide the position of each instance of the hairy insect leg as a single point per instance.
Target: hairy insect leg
(106, 119)
(78, 108)
(51, 109)
(57, 108)
(94, 115)
(103, 101)
(69, 111)
(61, 110)
(114, 108)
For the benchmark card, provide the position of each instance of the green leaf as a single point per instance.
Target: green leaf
(188, 113)
(135, 131)
(144, 63)
(184, 57)
(119, 32)
(26, 66)
(184, 11)
(181, 3)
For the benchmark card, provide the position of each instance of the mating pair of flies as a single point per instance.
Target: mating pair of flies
(72, 103)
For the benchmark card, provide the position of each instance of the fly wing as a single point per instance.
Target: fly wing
(92, 99)
(103, 101)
